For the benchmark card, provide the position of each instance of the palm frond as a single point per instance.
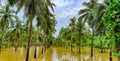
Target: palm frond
(83, 11)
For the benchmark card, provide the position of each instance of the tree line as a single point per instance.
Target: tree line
(96, 26)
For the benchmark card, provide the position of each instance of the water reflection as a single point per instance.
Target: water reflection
(53, 54)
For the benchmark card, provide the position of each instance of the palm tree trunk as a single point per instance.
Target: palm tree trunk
(92, 44)
(79, 49)
(0, 44)
(35, 53)
(42, 50)
(16, 46)
(80, 32)
(46, 42)
(29, 39)
(80, 46)
(1, 41)
(71, 47)
(101, 44)
(110, 54)
(2, 38)
(27, 56)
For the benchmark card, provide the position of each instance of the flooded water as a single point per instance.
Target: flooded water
(53, 54)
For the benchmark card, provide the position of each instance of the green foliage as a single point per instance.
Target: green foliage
(111, 18)
(97, 42)
(112, 23)
(62, 42)
(5, 44)
(87, 43)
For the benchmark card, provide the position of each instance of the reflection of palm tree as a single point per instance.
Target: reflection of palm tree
(6, 20)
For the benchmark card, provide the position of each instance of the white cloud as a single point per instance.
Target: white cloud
(67, 8)
(62, 3)
(68, 12)
(100, 1)
(64, 10)
(3, 2)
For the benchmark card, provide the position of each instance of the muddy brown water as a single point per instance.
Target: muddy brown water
(54, 54)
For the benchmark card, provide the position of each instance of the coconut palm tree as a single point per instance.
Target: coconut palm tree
(18, 31)
(87, 15)
(33, 8)
(7, 16)
(49, 29)
(79, 29)
(64, 34)
(71, 28)
(92, 14)
(37, 35)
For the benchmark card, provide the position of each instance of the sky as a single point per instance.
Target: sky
(64, 10)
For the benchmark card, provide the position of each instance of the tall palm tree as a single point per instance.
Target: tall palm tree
(17, 31)
(71, 30)
(92, 14)
(49, 29)
(79, 29)
(7, 16)
(33, 8)
(37, 34)
(87, 15)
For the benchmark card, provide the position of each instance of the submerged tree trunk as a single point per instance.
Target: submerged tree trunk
(42, 50)
(0, 45)
(71, 47)
(80, 45)
(27, 55)
(1, 40)
(16, 47)
(110, 54)
(101, 44)
(79, 49)
(46, 43)
(37, 33)
(29, 39)
(35, 53)
(92, 44)
(80, 32)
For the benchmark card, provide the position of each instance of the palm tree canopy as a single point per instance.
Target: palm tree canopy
(33, 7)
(7, 16)
(92, 14)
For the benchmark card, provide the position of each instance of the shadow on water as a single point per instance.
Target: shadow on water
(53, 54)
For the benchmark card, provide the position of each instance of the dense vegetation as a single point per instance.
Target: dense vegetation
(97, 26)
